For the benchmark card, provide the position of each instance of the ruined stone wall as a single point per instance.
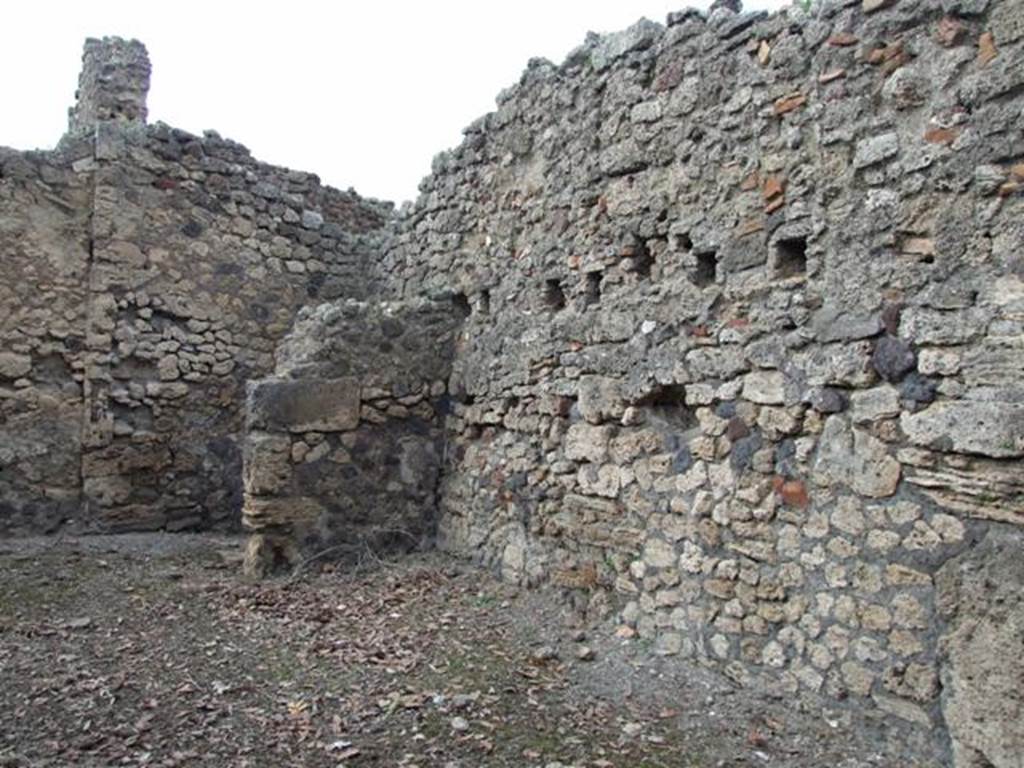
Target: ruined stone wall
(44, 257)
(345, 442)
(202, 259)
(149, 274)
(744, 359)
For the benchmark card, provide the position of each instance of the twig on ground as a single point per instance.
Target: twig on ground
(361, 546)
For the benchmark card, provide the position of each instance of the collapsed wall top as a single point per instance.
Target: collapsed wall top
(112, 85)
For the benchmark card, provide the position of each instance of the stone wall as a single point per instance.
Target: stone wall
(202, 258)
(735, 353)
(345, 443)
(44, 260)
(151, 274)
(744, 360)
(112, 86)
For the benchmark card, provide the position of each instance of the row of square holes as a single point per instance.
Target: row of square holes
(790, 261)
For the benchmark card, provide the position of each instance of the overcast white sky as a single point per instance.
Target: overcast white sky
(361, 93)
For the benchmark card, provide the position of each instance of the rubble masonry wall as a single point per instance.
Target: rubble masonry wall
(744, 364)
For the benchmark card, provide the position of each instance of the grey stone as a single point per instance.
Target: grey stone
(893, 358)
(599, 327)
(14, 366)
(873, 404)
(827, 400)
(854, 458)
(584, 442)
(616, 45)
(764, 387)
(832, 324)
(846, 365)
(600, 399)
(982, 664)
(990, 429)
(312, 220)
(918, 390)
(876, 149)
(326, 405)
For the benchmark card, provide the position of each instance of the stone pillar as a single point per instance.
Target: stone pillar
(112, 85)
(280, 510)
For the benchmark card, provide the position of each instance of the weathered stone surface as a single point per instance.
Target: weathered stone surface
(604, 480)
(600, 399)
(982, 661)
(854, 458)
(765, 387)
(584, 442)
(284, 515)
(870, 6)
(659, 554)
(873, 404)
(265, 554)
(267, 464)
(681, 315)
(612, 47)
(318, 405)
(14, 366)
(113, 84)
(995, 365)
(982, 488)
(325, 465)
(986, 428)
(876, 149)
(831, 324)
(845, 365)
(892, 359)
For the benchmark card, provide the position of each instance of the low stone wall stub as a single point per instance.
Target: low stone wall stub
(349, 463)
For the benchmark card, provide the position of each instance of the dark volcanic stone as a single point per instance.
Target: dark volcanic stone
(827, 400)
(918, 390)
(893, 359)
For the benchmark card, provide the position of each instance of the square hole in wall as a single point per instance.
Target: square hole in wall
(790, 257)
(683, 242)
(461, 303)
(643, 260)
(592, 288)
(667, 406)
(706, 269)
(554, 296)
(483, 303)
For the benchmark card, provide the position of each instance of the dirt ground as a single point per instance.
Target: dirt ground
(154, 651)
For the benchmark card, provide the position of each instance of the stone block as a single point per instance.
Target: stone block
(874, 404)
(830, 324)
(892, 358)
(308, 405)
(584, 442)
(265, 554)
(856, 459)
(291, 514)
(267, 468)
(14, 366)
(971, 427)
(876, 149)
(764, 387)
(846, 364)
(604, 480)
(600, 399)
(107, 491)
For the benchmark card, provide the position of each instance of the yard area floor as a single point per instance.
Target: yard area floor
(153, 650)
